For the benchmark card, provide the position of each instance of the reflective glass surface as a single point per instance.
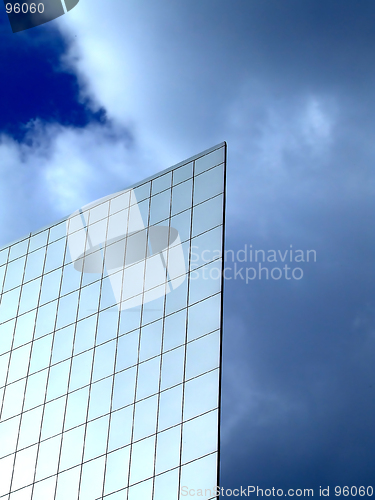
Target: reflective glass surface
(110, 331)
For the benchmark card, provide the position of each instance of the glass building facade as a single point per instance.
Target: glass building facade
(110, 344)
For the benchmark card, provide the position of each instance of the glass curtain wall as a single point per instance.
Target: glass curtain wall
(110, 341)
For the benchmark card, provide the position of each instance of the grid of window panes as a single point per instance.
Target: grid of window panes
(101, 403)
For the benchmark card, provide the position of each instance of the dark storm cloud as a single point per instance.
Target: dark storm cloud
(299, 376)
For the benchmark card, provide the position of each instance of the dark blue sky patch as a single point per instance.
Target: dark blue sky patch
(33, 84)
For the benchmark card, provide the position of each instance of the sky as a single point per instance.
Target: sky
(113, 92)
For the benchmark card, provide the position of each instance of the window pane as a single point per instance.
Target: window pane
(18, 249)
(55, 255)
(19, 362)
(123, 393)
(116, 475)
(104, 360)
(99, 212)
(6, 470)
(151, 340)
(76, 410)
(208, 184)
(35, 389)
(172, 368)
(182, 197)
(182, 222)
(2, 390)
(30, 427)
(117, 228)
(100, 398)
(177, 299)
(160, 207)
(140, 193)
(41, 353)
(204, 317)
(24, 329)
(145, 418)
(206, 248)
(53, 417)
(46, 317)
(4, 363)
(168, 449)
(201, 394)
(207, 215)
(58, 380)
(29, 296)
(45, 489)
(6, 336)
(24, 467)
(148, 378)
(166, 486)
(8, 436)
(89, 300)
(71, 279)
(85, 334)
(14, 274)
(63, 344)
(107, 325)
(72, 447)
(107, 298)
(205, 281)
(174, 330)
(130, 319)
(48, 458)
(96, 438)
(92, 479)
(81, 370)
(13, 399)
(121, 428)
(56, 232)
(4, 255)
(120, 202)
(2, 274)
(142, 209)
(153, 310)
(210, 160)
(127, 350)
(50, 286)
(34, 264)
(202, 355)
(161, 183)
(141, 491)
(142, 460)
(201, 474)
(199, 436)
(183, 173)
(9, 304)
(133, 280)
(67, 310)
(67, 484)
(38, 240)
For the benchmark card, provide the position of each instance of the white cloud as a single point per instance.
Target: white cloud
(58, 169)
(150, 71)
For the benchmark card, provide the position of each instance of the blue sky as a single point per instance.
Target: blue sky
(113, 92)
